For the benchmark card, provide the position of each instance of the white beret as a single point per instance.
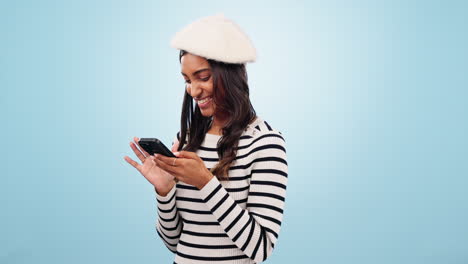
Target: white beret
(217, 38)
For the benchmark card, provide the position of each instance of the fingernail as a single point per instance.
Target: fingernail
(155, 155)
(176, 153)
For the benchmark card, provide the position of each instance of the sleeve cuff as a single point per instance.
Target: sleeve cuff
(209, 188)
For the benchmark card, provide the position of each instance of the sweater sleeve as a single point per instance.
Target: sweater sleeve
(169, 223)
(255, 229)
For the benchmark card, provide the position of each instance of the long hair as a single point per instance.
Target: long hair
(231, 97)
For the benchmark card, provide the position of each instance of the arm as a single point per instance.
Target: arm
(169, 223)
(255, 229)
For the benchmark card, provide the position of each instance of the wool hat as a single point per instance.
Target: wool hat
(217, 38)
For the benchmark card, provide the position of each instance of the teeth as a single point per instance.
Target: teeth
(204, 100)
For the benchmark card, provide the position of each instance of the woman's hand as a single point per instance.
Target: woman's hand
(187, 167)
(160, 179)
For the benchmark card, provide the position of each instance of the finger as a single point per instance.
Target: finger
(133, 163)
(175, 146)
(148, 164)
(167, 160)
(146, 154)
(137, 151)
(187, 155)
(166, 167)
(179, 162)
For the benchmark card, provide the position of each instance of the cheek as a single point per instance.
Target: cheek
(211, 86)
(208, 88)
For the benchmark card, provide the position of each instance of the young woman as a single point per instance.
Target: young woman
(221, 199)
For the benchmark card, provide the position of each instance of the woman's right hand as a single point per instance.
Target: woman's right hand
(160, 179)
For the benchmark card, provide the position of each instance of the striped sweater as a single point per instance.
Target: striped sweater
(233, 221)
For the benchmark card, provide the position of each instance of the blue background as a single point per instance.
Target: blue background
(371, 97)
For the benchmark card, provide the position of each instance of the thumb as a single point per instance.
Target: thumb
(175, 146)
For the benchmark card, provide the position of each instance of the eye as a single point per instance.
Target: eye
(187, 81)
(205, 79)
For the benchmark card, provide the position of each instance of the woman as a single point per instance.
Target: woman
(221, 199)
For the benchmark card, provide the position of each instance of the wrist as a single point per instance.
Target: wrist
(208, 178)
(165, 190)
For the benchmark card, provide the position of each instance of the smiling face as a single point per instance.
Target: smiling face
(198, 77)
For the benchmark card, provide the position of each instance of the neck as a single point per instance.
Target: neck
(217, 125)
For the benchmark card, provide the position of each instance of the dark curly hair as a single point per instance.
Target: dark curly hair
(231, 96)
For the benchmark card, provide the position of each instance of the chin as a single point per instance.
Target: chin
(207, 112)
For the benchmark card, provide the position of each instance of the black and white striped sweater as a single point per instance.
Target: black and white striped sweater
(233, 221)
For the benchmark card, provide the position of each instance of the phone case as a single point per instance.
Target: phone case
(154, 145)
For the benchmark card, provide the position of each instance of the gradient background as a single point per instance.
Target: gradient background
(371, 97)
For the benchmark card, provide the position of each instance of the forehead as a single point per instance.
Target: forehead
(190, 63)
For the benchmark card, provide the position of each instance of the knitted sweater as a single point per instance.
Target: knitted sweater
(233, 221)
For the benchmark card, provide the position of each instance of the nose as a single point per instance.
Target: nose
(195, 90)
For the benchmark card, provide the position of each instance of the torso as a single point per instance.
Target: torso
(216, 132)
(201, 234)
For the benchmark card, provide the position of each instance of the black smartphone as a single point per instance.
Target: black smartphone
(154, 145)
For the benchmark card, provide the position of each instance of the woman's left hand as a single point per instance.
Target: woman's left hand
(188, 167)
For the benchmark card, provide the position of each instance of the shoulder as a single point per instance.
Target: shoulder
(267, 146)
(263, 133)
(260, 127)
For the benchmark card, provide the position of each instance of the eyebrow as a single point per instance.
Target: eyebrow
(197, 72)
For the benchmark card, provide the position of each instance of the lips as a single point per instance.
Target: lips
(201, 99)
(202, 103)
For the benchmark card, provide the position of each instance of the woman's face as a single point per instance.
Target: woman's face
(199, 82)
